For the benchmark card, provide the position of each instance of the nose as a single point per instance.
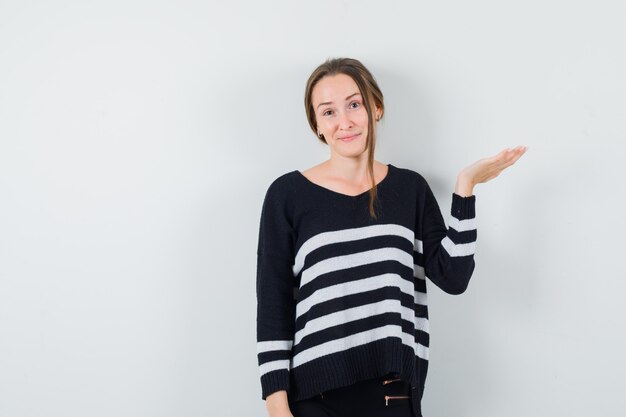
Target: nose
(344, 121)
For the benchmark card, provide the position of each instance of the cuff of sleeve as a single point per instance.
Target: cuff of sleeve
(274, 381)
(463, 207)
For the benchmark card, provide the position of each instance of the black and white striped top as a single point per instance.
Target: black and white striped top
(342, 297)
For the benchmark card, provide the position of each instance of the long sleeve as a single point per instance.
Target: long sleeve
(275, 291)
(449, 252)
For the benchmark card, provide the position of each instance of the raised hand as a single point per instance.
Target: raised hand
(486, 169)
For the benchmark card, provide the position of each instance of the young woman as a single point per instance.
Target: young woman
(344, 251)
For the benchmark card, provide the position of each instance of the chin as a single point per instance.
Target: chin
(353, 154)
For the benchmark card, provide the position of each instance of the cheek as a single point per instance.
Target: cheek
(363, 119)
(326, 125)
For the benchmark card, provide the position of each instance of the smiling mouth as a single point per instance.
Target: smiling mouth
(349, 138)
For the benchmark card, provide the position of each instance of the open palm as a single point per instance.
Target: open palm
(486, 169)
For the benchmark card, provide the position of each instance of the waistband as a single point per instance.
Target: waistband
(391, 379)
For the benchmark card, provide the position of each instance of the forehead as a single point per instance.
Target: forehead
(333, 88)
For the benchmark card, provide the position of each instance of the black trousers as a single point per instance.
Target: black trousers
(387, 396)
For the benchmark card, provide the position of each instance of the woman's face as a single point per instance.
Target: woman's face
(340, 114)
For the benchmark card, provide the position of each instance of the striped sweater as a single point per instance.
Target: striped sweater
(342, 297)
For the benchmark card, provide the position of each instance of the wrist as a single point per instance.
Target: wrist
(464, 186)
(277, 402)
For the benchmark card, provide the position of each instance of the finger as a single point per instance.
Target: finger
(520, 150)
(513, 157)
(518, 155)
(517, 149)
(515, 154)
(511, 161)
(502, 158)
(499, 155)
(504, 152)
(509, 157)
(494, 158)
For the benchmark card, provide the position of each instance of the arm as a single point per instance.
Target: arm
(449, 252)
(275, 299)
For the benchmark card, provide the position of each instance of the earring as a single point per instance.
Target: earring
(319, 135)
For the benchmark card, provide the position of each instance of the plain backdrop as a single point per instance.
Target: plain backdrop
(138, 138)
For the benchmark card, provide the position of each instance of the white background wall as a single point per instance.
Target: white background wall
(137, 139)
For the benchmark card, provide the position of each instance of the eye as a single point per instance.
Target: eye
(326, 112)
(357, 104)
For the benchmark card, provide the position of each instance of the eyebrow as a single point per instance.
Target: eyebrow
(330, 102)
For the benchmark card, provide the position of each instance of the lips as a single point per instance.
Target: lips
(349, 138)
